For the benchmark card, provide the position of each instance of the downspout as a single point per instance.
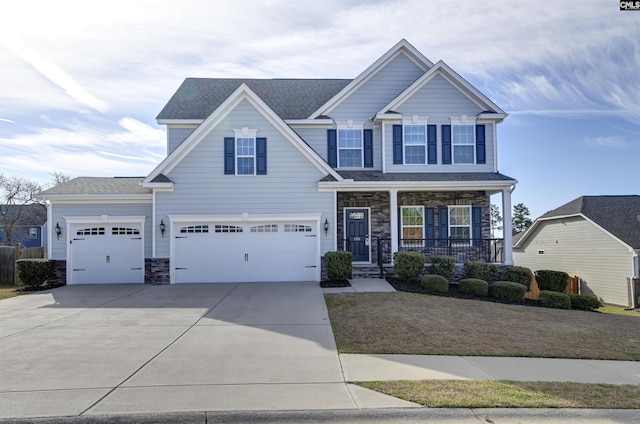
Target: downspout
(635, 267)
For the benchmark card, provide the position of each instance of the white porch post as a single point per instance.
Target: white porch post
(393, 219)
(507, 227)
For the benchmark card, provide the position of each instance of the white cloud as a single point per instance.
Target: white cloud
(608, 142)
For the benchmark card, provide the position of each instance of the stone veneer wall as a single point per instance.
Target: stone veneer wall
(60, 278)
(156, 271)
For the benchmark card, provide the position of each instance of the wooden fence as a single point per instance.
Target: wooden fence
(8, 257)
(573, 286)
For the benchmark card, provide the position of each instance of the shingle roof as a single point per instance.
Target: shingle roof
(619, 215)
(423, 176)
(99, 185)
(197, 98)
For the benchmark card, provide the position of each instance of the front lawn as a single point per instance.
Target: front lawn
(7, 291)
(409, 323)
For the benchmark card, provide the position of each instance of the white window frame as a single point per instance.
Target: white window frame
(403, 226)
(469, 241)
(244, 134)
(405, 145)
(458, 122)
(360, 129)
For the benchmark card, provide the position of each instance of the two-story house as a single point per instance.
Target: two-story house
(264, 176)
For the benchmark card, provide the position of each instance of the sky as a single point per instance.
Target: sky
(81, 82)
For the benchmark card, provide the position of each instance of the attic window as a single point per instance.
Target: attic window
(541, 252)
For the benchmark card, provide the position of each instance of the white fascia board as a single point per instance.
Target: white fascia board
(403, 46)
(442, 69)
(243, 92)
(100, 198)
(158, 186)
(244, 217)
(105, 219)
(313, 123)
(493, 116)
(179, 121)
(414, 185)
(380, 116)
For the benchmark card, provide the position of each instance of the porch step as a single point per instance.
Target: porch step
(365, 271)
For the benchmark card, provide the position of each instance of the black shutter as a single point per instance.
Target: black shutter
(368, 148)
(429, 226)
(332, 148)
(476, 225)
(397, 144)
(261, 156)
(481, 156)
(432, 147)
(444, 226)
(446, 144)
(229, 155)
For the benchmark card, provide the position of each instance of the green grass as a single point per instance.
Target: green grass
(510, 394)
(617, 310)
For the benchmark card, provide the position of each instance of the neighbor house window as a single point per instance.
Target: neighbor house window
(33, 233)
(460, 224)
(246, 155)
(412, 223)
(350, 148)
(415, 142)
(463, 141)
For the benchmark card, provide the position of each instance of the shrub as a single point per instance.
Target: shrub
(507, 291)
(554, 299)
(408, 265)
(338, 265)
(34, 272)
(518, 274)
(436, 283)
(481, 271)
(443, 265)
(552, 280)
(474, 287)
(583, 302)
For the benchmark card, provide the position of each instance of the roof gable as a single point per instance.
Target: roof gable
(617, 215)
(243, 92)
(441, 68)
(402, 47)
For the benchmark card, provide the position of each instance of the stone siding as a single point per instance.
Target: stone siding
(156, 271)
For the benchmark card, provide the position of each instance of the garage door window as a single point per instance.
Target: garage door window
(193, 229)
(297, 228)
(96, 231)
(228, 229)
(121, 231)
(268, 228)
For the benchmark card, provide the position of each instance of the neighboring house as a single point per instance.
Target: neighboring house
(26, 223)
(596, 238)
(263, 177)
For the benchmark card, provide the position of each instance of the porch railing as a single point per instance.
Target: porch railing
(484, 250)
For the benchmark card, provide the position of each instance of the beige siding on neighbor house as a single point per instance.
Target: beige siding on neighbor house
(579, 247)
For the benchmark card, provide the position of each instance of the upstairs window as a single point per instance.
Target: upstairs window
(415, 144)
(245, 154)
(350, 148)
(463, 141)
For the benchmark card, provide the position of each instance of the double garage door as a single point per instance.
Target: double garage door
(219, 252)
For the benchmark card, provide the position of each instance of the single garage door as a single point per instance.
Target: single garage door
(245, 252)
(103, 254)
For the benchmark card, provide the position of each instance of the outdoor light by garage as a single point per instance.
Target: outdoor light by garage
(326, 227)
(162, 227)
(58, 231)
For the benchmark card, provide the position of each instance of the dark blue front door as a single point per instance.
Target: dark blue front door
(357, 233)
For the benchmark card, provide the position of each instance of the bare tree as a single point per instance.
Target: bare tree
(15, 194)
(58, 178)
(496, 219)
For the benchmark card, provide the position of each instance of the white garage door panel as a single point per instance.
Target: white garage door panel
(271, 252)
(107, 255)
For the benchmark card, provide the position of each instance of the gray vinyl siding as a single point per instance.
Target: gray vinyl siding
(175, 136)
(59, 211)
(439, 100)
(201, 187)
(578, 247)
(378, 91)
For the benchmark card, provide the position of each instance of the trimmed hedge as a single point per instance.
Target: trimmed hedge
(408, 265)
(583, 302)
(443, 265)
(518, 274)
(474, 287)
(436, 283)
(35, 272)
(508, 291)
(338, 265)
(481, 271)
(554, 299)
(552, 280)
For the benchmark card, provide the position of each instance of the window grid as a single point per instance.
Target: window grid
(121, 231)
(412, 225)
(297, 228)
(245, 155)
(463, 141)
(350, 148)
(95, 231)
(268, 228)
(460, 224)
(414, 144)
(227, 229)
(193, 229)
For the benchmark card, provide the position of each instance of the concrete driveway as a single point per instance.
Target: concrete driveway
(95, 350)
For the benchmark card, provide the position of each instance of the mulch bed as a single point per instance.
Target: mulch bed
(327, 283)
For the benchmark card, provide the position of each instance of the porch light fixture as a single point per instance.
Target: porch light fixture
(58, 231)
(326, 227)
(162, 227)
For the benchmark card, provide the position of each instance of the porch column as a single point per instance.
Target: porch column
(393, 219)
(507, 225)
